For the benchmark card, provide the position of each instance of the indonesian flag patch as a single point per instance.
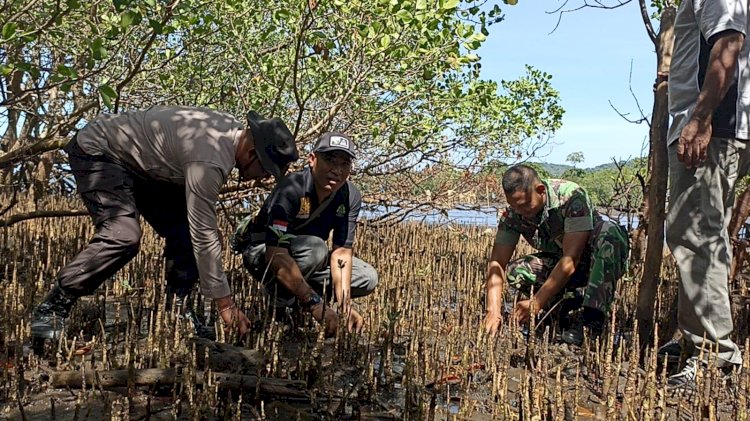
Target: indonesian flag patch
(280, 225)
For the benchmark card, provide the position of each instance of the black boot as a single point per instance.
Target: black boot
(569, 305)
(48, 320)
(591, 319)
(180, 298)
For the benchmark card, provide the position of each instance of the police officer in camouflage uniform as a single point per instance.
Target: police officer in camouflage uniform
(581, 256)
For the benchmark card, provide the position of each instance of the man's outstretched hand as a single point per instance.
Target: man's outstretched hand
(525, 309)
(326, 316)
(692, 146)
(492, 323)
(355, 321)
(232, 317)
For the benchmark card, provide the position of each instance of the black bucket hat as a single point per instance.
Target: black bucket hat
(274, 143)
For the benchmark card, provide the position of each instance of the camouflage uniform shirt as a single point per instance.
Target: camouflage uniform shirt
(567, 209)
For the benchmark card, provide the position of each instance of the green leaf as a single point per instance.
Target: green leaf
(120, 4)
(9, 29)
(108, 94)
(478, 37)
(404, 15)
(511, 2)
(5, 70)
(151, 3)
(24, 67)
(126, 19)
(473, 45)
(107, 101)
(107, 90)
(385, 41)
(129, 18)
(421, 4)
(98, 52)
(450, 4)
(281, 15)
(67, 71)
(29, 37)
(156, 26)
(126, 285)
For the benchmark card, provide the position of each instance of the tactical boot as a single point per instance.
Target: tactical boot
(590, 319)
(48, 319)
(183, 311)
(571, 302)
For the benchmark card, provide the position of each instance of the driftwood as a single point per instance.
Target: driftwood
(227, 358)
(41, 214)
(265, 386)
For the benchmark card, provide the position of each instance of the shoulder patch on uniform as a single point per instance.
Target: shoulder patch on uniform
(304, 207)
(341, 210)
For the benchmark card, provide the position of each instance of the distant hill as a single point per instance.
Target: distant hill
(608, 166)
(556, 170)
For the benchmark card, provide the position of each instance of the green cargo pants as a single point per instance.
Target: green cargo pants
(603, 263)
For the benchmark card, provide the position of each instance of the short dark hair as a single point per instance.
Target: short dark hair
(520, 178)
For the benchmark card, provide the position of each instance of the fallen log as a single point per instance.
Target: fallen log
(226, 358)
(265, 386)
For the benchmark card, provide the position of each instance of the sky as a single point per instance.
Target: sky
(596, 57)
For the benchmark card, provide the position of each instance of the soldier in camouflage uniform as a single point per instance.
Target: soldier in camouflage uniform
(581, 255)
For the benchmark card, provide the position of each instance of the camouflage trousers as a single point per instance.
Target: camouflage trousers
(603, 263)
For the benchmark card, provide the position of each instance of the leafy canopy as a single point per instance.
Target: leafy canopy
(402, 76)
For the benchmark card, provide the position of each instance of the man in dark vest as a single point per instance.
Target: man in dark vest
(285, 244)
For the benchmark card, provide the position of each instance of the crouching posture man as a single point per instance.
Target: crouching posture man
(285, 244)
(579, 251)
(168, 165)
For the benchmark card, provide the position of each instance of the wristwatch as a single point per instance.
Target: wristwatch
(312, 301)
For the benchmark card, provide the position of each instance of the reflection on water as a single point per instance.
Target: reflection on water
(479, 216)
